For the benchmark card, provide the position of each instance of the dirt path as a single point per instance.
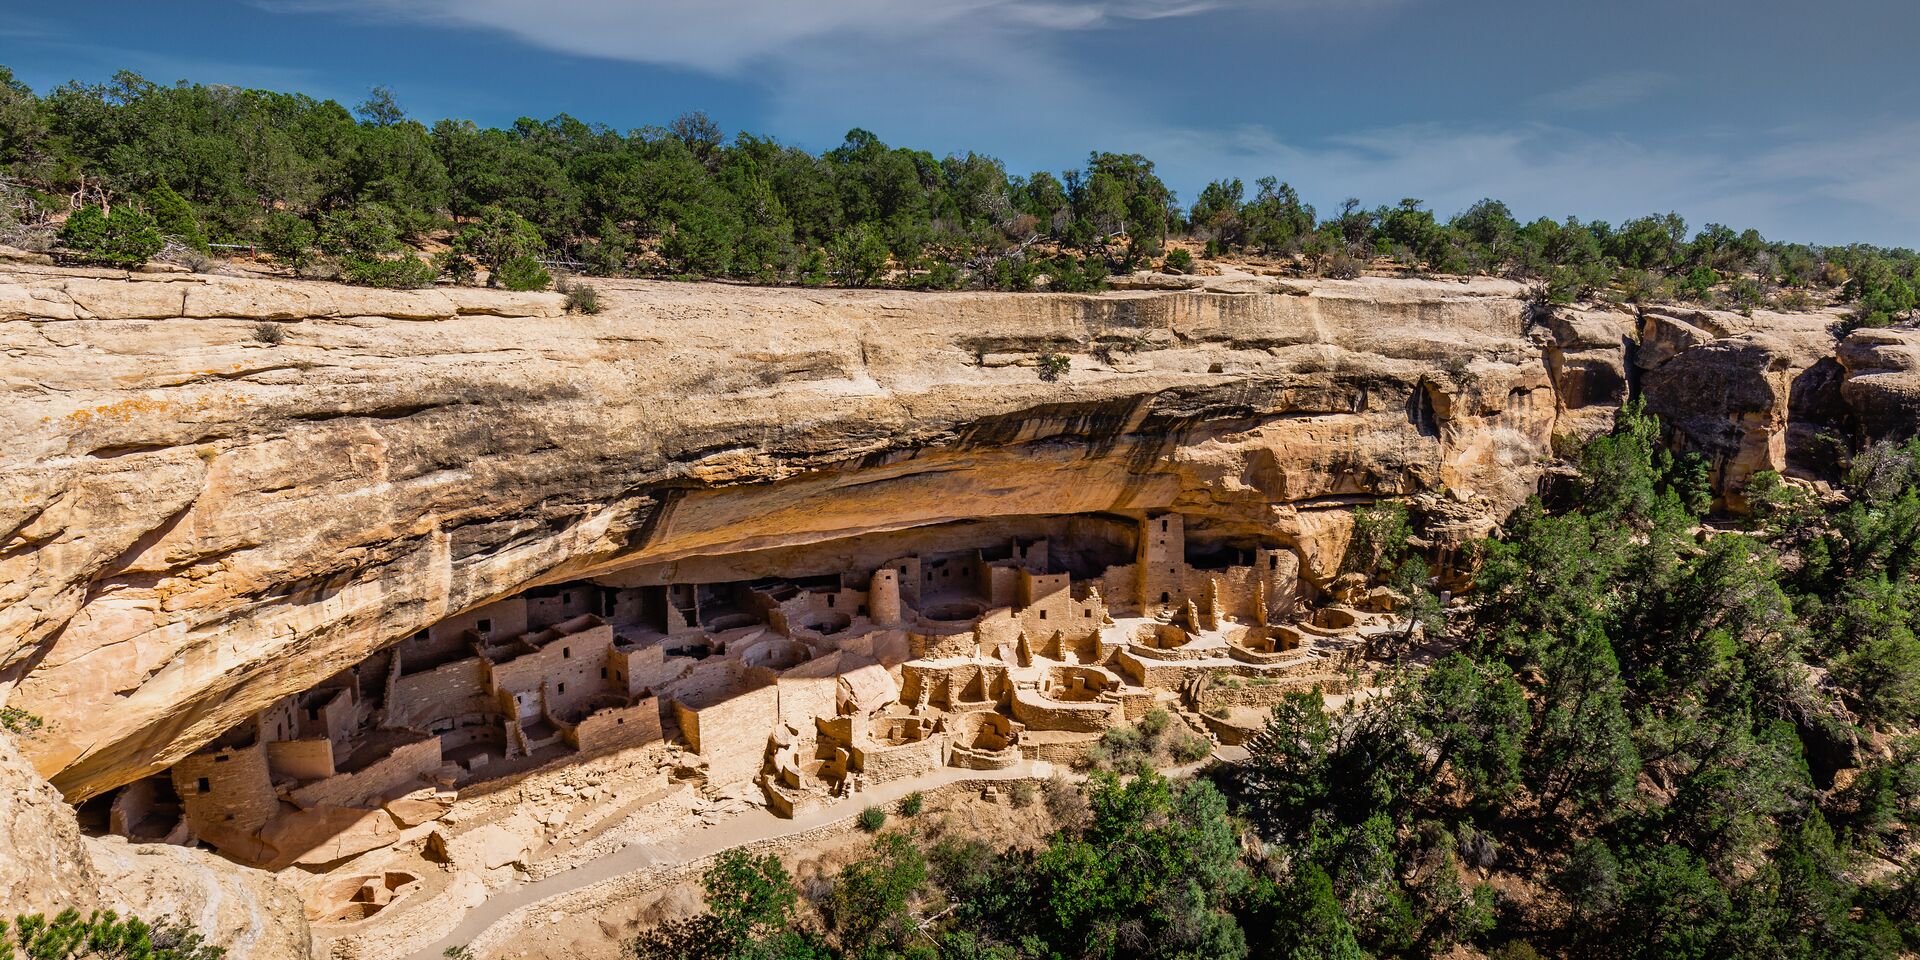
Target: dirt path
(750, 827)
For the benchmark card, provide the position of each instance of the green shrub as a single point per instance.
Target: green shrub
(456, 266)
(102, 934)
(1179, 261)
(401, 273)
(19, 722)
(871, 819)
(523, 273)
(1022, 794)
(173, 215)
(1065, 801)
(269, 333)
(1053, 366)
(581, 297)
(911, 803)
(124, 238)
(1154, 724)
(289, 239)
(1192, 748)
(363, 231)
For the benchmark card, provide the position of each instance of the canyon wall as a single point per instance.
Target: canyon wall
(199, 515)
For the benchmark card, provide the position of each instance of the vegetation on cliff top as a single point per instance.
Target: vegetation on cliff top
(361, 194)
(1648, 738)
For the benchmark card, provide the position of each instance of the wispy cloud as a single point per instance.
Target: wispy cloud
(1026, 79)
(729, 36)
(1606, 92)
(1793, 184)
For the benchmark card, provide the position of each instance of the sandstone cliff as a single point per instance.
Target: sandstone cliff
(196, 519)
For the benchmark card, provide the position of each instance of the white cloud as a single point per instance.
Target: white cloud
(1607, 92)
(1797, 184)
(1009, 77)
(729, 36)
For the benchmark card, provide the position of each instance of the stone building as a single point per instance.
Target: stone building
(809, 684)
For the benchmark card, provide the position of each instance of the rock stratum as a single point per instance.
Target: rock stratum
(218, 491)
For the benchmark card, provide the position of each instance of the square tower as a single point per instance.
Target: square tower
(1162, 561)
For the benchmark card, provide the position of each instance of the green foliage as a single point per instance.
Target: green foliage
(269, 333)
(581, 297)
(871, 819)
(1190, 748)
(173, 216)
(872, 909)
(1053, 366)
(752, 914)
(456, 266)
(124, 238)
(1021, 794)
(911, 804)
(497, 238)
(289, 239)
(19, 722)
(1150, 876)
(101, 935)
(686, 200)
(404, 272)
(368, 230)
(858, 257)
(522, 273)
(1381, 534)
(1178, 260)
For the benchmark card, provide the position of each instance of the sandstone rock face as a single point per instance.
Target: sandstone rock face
(1882, 384)
(1749, 393)
(45, 868)
(195, 521)
(248, 912)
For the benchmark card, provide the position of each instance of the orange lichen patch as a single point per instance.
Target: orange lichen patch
(129, 409)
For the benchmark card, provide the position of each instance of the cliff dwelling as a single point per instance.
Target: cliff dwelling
(796, 676)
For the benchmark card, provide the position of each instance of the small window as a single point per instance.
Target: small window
(1166, 597)
(903, 571)
(485, 625)
(1087, 614)
(222, 758)
(829, 600)
(563, 688)
(313, 713)
(566, 653)
(603, 673)
(620, 721)
(862, 611)
(1043, 614)
(566, 597)
(202, 785)
(1273, 562)
(1163, 526)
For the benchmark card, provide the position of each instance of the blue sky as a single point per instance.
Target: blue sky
(1799, 119)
